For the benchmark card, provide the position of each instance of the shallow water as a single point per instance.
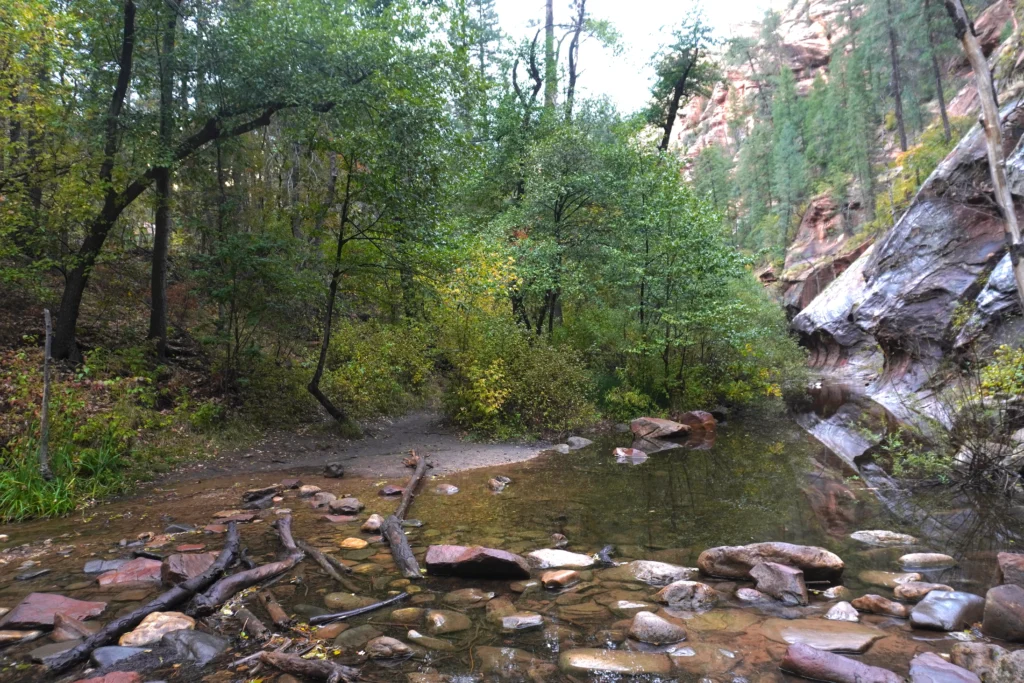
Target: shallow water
(761, 479)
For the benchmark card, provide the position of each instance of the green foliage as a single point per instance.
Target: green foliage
(1003, 378)
(909, 459)
(624, 404)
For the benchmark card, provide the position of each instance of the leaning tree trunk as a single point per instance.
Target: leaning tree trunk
(990, 121)
(897, 81)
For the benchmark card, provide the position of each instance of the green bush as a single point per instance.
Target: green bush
(624, 404)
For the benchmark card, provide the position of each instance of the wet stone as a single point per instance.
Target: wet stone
(552, 558)
(815, 664)
(408, 615)
(882, 579)
(736, 562)
(308, 491)
(979, 658)
(357, 637)
(649, 572)
(876, 604)
(750, 595)
(475, 562)
(46, 653)
(384, 647)
(346, 506)
(947, 611)
(360, 555)
(843, 611)
(343, 602)
(1004, 613)
(781, 582)
(391, 490)
(688, 595)
(511, 664)
(431, 643)
(102, 566)
(11, 637)
(108, 656)
(822, 634)
(597, 661)
(648, 627)
(1011, 568)
(154, 627)
(353, 544)
(139, 570)
(883, 538)
(560, 578)
(522, 621)
(467, 597)
(369, 569)
(577, 442)
(69, 628)
(915, 591)
(331, 631)
(498, 609)
(195, 646)
(441, 621)
(837, 593)
(32, 574)
(446, 489)
(372, 524)
(928, 667)
(181, 567)
(625, 609)
(585, 612)
(926, 561)
(38, 609)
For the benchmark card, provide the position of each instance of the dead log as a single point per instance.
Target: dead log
(325, 563)
(165, 602)
(316, 669)
(274, 609)
(392, 531)
(251, 624)
(340, 616)
(222, 591)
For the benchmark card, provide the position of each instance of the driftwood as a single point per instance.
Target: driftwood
(325, 563)
(316, 669)
(392, 531)
(222, 591)
(338, 616)
(251, 624)
(165, 602)
(274, 609)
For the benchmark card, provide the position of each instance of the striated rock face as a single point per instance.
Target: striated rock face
(896, 302)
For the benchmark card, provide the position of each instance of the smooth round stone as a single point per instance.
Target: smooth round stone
(357, 637)
(384, 647)
(947, 611)
(882, 538)
(467, 597)
(873, 577)
(648, 627)
(110, 655)
(522, 621)
(837, 593)
(399, 584)
(749, 595)
(822, 634)
(926, 561)
(331, 631)
(429, 642)
(353, 544)
(360, 555)
(368, 569)
(915, 591)
(408, 615)
(343, 602)
(587, 611)
(722, 621)
(597, 661)
(441, 621)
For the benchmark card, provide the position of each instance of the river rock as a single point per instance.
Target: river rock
(598, 661)
(559, 541)
(735, 562)
(928, 667)
(408, 615)
(522, 621)
(431, 643)
(511, 664)
(882, 538)
(357, 637)
(139, 570)
(697, 420)
(914, 591)
(688, 595)
(39, 609)
(343, 602)
(926, 561)
(109, 655)
(876, 604)
(475, 562)
(102, 566)
(330, 631)
(496, 485)
(947, 611)
(308, 490)
(153, 628)
(627, 609)
(384, 647)
(630, 456)
(256, 494)
(657, 428)
(498, 609)
(1004, 613)
(467, 597)
(843, 611)
(69, 628)
(391, 490)
(584, 612)
(45, 654)
(334, 470)
(1009, 668)
(446, 489)
(181, 567)
(114, 677)
(648, 627)
(441, 621)
(195, 646)
(372, 524)
(809, 662)
(345, 506)
(782, 582)
(873, 577)
(550, 558)
(837, 593)
(649, 572)
(750, 595)
(353, 543)
(1011, 568)
(562, 448)
(822, 634)
(577, 442)
(560, 578)
(979, 658)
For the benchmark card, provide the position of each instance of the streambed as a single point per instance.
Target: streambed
(760, 479)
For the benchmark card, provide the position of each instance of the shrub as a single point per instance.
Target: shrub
(624, 404)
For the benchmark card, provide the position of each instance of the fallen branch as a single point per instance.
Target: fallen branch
(325, 563)
(222, 591)
(273, 609)
(392, 531)
(339, 616)
(165, 602)
(317, 669)
(251, 624)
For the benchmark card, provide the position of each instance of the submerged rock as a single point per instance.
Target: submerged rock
(431, 643)
(69, 628)
(102, 566)
(882, 538)
(181, 567)
(688, 595)
(384, 647)
(876, 604)
(822, 634)
(578, 442)
(38, 609)
(630, 456)
(139, 570)
(947, 611)
(357, 637)
(467, 597)
(648, 627)
(345, 506)
(928, 667)
(334, 470)
(657, 428)
(782, 582)
(441, 621)
(372, 524)
(597, 661)
(735, 562)
(521, 621)
(1004, 613)
(815, 664)
(873, 577)
(560, 578)
(475, 562)
(343, 602)
(510, 663)
(650, 572)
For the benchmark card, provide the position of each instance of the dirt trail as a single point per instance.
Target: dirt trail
(378, 454)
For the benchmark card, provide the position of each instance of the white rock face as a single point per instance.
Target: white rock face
(843, 611)
(551, 558)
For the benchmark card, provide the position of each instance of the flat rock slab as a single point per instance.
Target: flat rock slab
(823, 634)
(947, 611)
(139, 570)
(657, 428)
(735, 562)
(650, 572)
(597, 661)
(926, 561)
(102, 566)
(883, 539)
(181, 567)
(928, 667)
(475, 562)
(195, 646)
(553, 558)
(809, 662)
(44, 653)
(915, 591)
(874, 577)
(154, 627)
(109, 655)
(38, 609)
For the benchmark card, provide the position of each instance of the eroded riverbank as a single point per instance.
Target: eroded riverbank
(761, 479)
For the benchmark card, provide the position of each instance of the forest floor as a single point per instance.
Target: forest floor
(385, 444)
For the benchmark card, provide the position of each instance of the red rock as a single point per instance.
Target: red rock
(781, 581)
(876, 604)
(818, 665)
(475, 562)
(139, 570)
(215, 528)
(39, 609)
(190, 547)
(113, 677)
(735, 562)
(69, 628)
(697, 420)
(182, 567)
(1011, 568)
(291, 483)
(339, 519)
(1004, 613)
(391, 490)
(657, 428)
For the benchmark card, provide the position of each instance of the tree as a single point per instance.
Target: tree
(682, 70)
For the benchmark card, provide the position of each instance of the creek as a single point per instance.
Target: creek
(760, 478)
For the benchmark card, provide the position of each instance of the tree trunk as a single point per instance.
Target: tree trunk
(937, 72)
(44, 413)
(990, 120)
(897, 82)
(574, 57)
(550, 67)
(677, 95)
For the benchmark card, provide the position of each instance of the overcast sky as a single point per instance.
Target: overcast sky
(644, 26)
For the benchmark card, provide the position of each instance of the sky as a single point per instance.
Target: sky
(644, 26)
